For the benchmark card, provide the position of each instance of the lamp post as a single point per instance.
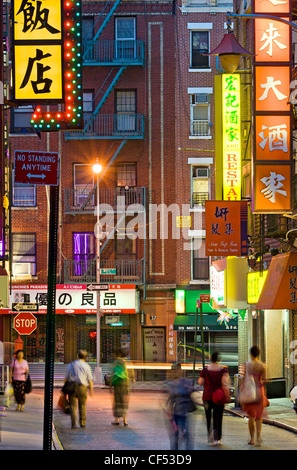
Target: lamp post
(97, 168)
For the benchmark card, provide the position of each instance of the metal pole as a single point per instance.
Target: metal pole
(202, 335)
(195, 341)
(98, 371)
(50, 318)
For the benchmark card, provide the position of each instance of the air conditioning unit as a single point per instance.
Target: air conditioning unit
(202, 98)
(202, 172)
(21, 270)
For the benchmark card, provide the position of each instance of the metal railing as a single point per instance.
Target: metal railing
(78, 200)
(126, 271)
(113, 52)
(199, 198)
(111, 126)
(200, 128)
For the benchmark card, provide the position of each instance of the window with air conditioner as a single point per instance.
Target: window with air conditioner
(24, 254)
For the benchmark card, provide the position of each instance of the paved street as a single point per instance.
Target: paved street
(148, 428)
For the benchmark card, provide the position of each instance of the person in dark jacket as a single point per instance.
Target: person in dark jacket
(180, 405)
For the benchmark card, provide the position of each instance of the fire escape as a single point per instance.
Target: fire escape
(115, 56)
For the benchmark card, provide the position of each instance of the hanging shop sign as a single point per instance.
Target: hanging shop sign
(280, 287)
(255, 282)
(272, 147)
(231, 127)
(226, 228)
(38, 51)
(47, 61)
(228, 286)
(76, 299)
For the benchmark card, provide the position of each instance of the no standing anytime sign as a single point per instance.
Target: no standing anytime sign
(36, 167)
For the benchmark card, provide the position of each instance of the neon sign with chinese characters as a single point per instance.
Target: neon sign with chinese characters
(49, 34)
(231, 125)
(272, 153)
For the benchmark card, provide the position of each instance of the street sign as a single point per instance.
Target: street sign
(205, 298)
(36, 167)
(108, 271)
(24, 307)
(91, 287)
(25, 323)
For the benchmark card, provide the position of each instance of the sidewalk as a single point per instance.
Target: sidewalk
(24, 430)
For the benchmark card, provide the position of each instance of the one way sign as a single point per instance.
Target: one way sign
(92, 287)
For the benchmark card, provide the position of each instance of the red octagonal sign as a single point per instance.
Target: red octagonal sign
(25, 323)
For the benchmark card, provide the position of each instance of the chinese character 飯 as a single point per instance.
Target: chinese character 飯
(35, 17)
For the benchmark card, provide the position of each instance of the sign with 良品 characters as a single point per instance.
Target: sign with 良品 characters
(75, 299)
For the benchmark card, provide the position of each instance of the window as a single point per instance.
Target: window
(87, 28)
(20, 120)
(125, 102)
(200, 115)
(83, 184)
(126, 175)
(83, 252)
(125, 36)
(23, 195)
(199, 46)
(24, 253)
(126, 247)
(88, 104)
(200, 185)
(200, 261)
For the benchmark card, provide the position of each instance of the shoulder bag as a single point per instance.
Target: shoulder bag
(220, 396)
(248, 392)
(28, 385)
(69, 385)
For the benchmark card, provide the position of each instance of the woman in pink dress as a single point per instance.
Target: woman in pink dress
(18, 370)
(255, 410)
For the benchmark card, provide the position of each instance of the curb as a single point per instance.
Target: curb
(272, 422)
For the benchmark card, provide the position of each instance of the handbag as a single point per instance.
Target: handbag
(28, 385)
(63, 404)
(220, 396)
(248, 392)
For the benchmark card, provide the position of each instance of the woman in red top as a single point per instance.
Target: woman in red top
(213, 377)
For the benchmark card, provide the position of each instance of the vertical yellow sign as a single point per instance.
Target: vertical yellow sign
(231, 141)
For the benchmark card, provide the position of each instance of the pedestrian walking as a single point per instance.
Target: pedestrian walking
(255, 409)
(19, 368)
(180, 404)
(215, 379)
(120, 386)
(80, 373)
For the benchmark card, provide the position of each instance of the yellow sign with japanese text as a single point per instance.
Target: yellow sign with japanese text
(231, 127)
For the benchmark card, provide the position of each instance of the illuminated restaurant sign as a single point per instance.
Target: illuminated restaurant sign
(231, 125)
(37, 51)
(272, 153)
(47, 59)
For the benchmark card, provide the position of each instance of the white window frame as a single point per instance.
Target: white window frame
(193, 91)
(192, 27)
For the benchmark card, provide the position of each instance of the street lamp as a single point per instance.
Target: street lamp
(97, 168)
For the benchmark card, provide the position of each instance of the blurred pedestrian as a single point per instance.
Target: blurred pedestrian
(180, 405)
(17, 376)
(80, 373)
(120, 385)
(255, 410)
(213, 378)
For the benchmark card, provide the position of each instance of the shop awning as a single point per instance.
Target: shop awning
(280, 287)
(210, 323)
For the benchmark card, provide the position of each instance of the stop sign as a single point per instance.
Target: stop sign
(25, 323)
